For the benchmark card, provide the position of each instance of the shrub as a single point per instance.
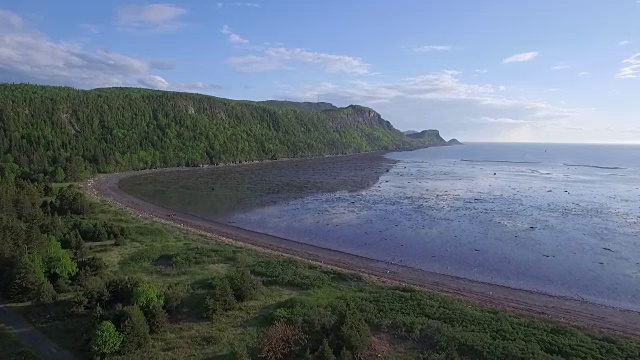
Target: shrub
(244, 285)
(105, 339)
(156, 318)
(354, 334)
(147, 295)
(174, 295)
(220, 300)
(46, 294)
(345, 355)
(93, 294)
(281, 341)
(121, 290)
(57, 260)
(134, 328)
(325, 352)
(239, 352)
(93, 265)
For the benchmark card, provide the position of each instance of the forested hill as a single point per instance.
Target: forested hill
(68, 134)
(304, 106)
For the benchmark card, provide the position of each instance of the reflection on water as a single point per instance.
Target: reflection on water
(522, 219)
(214, 191)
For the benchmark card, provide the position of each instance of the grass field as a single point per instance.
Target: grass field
(405, 323)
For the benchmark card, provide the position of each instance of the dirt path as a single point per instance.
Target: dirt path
(31, 337)
(583, 314)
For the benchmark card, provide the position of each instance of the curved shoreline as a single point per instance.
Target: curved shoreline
(583, 314)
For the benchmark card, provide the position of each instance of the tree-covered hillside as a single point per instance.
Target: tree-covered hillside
(303, 106)
(67, 134)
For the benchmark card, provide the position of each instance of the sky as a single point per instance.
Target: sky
(495, 70)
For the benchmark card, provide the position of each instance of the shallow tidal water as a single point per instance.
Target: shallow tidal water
(560, 219)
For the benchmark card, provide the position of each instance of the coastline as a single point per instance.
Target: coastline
(583, 314)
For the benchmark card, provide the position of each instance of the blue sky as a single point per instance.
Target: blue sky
(545, 71)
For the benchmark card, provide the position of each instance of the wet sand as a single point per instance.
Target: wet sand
(584, 314)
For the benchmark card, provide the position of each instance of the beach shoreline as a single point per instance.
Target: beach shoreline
(583, 314)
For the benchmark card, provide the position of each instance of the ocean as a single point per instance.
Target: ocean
(555, 218)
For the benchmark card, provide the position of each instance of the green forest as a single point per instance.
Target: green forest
(66, 134)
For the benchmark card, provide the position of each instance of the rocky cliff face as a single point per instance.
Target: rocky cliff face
(428, 137)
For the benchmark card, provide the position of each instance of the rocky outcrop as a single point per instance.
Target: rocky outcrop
(428, 137)
(454, 142)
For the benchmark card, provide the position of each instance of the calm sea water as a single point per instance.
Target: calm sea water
(561, 219)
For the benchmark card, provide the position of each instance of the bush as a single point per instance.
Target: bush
(220, 300)
(156, 318)
(354, 334)
(105, 340)
(239, 352)
(345, 355)
(134, 328)
(244, 285)
(93, 294)
(46, 294)
(146, 295)
(93, 266)
(281, 341)
(121, 290)
(174, 295)
(120, 241)
(325, 352)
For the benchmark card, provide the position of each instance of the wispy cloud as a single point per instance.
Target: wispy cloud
(159, 83)
(149, 18)
(632, 70)
(583, 73)
(624, 42)
(233, 38)
(441, 93)
(528, 56)
(28, 55)
(281, 58)
(560, 67)
(238, 4)
(432, 48)
(94, 29)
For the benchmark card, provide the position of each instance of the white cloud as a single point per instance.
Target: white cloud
(233, 38)
(152, 17)
(528, 56)
(253, 64)
(624, 42)
(481, 71)
(490, 120)
(237, 39)
(583, 73)
(438, 100)
(90, 28)
(27, 55)
(280, 58)
(238, 4)
(633, 68)
(432, 48)
(154, 82)
(159, 83)
(560, 67)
